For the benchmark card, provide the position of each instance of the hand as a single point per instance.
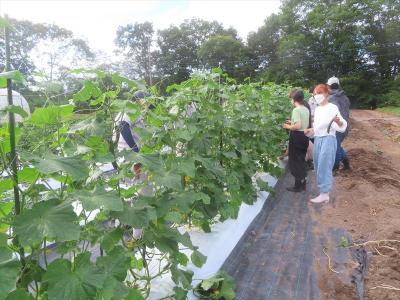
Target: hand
(309, 132)
(287, 126)
(338, 121)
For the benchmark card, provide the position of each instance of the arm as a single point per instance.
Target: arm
(339, 124)
(295, 126)
(127, 135)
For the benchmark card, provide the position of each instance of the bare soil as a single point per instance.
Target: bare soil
(367, 203)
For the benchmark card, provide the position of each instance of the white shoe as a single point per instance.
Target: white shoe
(323, 197)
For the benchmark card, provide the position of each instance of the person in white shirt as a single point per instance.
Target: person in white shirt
(327, 120)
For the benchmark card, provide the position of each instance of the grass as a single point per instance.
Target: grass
(394, 110)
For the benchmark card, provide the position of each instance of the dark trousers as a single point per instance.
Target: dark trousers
(340, 152)
(298, 144)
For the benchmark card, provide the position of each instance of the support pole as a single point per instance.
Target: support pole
(13, 153)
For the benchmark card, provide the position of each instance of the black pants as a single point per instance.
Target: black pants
(298, 144)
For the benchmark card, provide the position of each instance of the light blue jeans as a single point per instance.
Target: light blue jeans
(324, 154)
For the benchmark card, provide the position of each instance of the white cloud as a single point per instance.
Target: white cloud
(99, 20)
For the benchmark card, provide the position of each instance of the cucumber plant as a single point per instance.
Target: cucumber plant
(75, 235)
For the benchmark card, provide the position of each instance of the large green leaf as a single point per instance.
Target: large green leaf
(5, 209)
(13, 75)
(134, 294)
(91, 126)
(73, 166)
(113, 290)
(51, 115)
(9, 268)
(110, 239)
(198, 259)
(47, 219)
(5, 185)
(9, 271)
(182, 276)
(16, 109)
(227, 287)
(19, 294)
(98, 198)
(115, 264)
(170, 180)
(5, 137)
(118, 79)
(80, 281)
(187, 166)
(89, 90)
(5, 251)
(137, 216)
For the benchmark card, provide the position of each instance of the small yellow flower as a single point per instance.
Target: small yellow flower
(187, 179)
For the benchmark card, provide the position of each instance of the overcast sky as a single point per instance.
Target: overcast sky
(98, 20)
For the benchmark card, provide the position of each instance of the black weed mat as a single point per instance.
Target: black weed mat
(281, 257)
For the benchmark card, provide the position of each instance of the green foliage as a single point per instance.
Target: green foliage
(391, 110)
(13, 75)
(198, 166)
(136, 40)
(48, 219)
(78, 280)
(309, 41)
(231, 53)
(220, 287)
(179, 45)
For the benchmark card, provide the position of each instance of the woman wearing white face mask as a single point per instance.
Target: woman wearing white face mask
(327, 120)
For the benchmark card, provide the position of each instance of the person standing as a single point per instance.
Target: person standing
(327, 121)
(298, 142)
(339, 98)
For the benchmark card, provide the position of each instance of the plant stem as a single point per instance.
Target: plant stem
(13, 158)
(44, 253)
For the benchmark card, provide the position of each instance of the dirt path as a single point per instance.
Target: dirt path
(367, 199)
(297, 250)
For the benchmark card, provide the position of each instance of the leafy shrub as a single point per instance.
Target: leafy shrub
(199, 170)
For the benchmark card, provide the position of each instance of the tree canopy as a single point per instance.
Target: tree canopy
(305, 43)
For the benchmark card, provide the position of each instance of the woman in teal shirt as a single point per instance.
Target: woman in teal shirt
(298, 141)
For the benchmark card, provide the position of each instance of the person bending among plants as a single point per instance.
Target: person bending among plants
(327, 121)
(298, 142)
(339, 98)
(128, 139)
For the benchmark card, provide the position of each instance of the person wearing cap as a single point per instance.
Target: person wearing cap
(339, 98)
(298, 142)
(129, 139)
(327, 121)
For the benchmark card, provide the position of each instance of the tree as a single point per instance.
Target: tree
(233, 55)
(24, 36)
(59, 51)
(177, 56)
(311, 40)
(135, 41)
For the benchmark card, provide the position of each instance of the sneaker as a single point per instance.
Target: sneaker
(321, 198)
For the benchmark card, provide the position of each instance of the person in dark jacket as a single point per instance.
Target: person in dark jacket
(338, 97)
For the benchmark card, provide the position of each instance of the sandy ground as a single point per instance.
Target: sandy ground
(367, 202)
